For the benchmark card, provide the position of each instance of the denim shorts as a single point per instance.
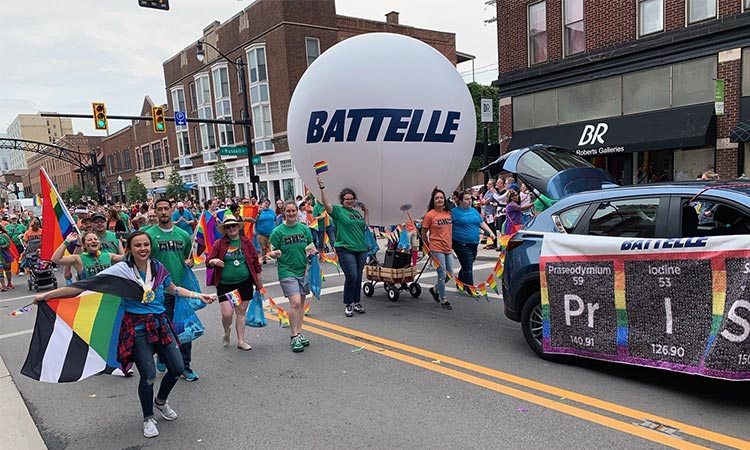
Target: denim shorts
(295, 286)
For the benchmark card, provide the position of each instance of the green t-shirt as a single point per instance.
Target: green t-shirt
(235, 268)
(15, 232)
(109, 243)
(93, 265)
(171, 248)
(350, 229)
(543, 202)
(318, 210)
(292, 242)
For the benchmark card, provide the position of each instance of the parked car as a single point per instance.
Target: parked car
(590, 204)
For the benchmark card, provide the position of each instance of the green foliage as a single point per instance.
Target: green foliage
(176, 187)
(476, 163)
(478, 92)
(137, 191)
(222, 181)
(73, 195)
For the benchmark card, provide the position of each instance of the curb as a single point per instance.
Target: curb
(20, 431)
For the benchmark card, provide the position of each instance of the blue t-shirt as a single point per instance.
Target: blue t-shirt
(188, 217)
(135, 306)
(266, 222)
(466, 225)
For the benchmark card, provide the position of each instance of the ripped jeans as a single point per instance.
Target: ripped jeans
(143, 356)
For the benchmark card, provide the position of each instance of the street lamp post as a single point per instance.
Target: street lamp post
(240, 66)
(122, 190)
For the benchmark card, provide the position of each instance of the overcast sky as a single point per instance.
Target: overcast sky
(60, 55)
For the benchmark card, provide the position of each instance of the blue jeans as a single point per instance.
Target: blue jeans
(185, 349)
(143, 356)
(467, 254)
(352, 263)
(445, 261)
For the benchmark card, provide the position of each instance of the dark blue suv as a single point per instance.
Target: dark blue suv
(591, 204)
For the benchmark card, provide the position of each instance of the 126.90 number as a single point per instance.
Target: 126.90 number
(667, 350)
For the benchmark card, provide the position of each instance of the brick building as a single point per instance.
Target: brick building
(629, 84)
(62, 173)
(137, 150)
(277, 40)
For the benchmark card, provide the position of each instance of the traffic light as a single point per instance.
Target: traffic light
(156, 4)
(100, 116)
(157, 119)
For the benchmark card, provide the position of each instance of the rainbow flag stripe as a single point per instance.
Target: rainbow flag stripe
(320, 167)
(307, 307)
(492, 283)
(58, 222)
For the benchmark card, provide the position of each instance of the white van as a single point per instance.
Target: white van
(23, 204)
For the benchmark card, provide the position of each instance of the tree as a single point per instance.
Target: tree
(74, 194)
(176, 187)
(137, 190)
(223, 182)
(478, 92)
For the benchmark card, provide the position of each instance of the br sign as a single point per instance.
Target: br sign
(391, 116)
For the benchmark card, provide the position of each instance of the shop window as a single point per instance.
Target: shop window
(693, 81)
(538, 33)
(523, 112)
(575, 36)
(650, 16)
(545, 108)
(597, 99)
(746, 65)
(645, 91)
(688, 164)
(701, 10)
(625, 218)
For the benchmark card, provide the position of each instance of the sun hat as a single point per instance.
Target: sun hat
(228, 219)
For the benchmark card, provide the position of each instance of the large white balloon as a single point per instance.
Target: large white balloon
(391, 116)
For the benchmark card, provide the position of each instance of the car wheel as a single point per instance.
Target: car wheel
(368, 289)
(415, 290)
(531, 324)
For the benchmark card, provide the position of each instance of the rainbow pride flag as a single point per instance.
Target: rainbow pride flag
(307, 307)
(58, 222)
(74, 338)
(234, 298)
(483, 290)
(492, 283)
(283, 317)
(320, 167)
(37, 201)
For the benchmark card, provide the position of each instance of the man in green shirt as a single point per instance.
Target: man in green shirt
(171, 246)
(15, 231)
(107, 239)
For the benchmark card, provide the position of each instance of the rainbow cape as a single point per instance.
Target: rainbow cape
(75, 338)
(58, 222)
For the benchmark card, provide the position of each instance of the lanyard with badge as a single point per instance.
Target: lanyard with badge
(148, 292)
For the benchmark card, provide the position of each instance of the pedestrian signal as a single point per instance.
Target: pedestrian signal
(157, 117)
(100, 116)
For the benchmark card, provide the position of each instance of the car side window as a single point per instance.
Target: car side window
(717, 219)
(570, 218)
(634, 217)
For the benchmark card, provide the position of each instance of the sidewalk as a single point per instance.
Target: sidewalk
(19, 429)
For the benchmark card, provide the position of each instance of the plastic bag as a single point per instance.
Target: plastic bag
(372, 243)
(190, 282)
(255, 316)
(315, 278)
(185, 323)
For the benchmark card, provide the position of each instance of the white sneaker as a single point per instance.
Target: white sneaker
(149, 428)
(165, 411)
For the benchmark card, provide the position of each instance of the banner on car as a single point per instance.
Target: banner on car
(676, 304)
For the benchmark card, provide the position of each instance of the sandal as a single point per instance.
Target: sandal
(10, 286)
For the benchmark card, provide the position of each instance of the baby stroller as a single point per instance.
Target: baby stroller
(40, 272)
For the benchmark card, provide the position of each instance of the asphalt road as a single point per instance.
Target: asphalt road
(406, 374)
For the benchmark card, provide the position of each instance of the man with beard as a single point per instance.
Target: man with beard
(107, 239)
(170, 245)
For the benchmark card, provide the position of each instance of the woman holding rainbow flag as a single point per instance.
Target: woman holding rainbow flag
(235, 268)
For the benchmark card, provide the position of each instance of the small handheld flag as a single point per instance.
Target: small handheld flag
(306, 309)
(234, 298)
(21, 310)
(320, 167)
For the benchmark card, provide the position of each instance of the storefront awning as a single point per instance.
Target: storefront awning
(676, 128)
(740, 133)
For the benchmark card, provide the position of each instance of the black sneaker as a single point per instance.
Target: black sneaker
(446, 305)
(348, 311)
(434, 294)
(358, 308)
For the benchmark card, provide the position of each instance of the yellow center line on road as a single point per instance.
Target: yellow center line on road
(580, 413)
(698, 432)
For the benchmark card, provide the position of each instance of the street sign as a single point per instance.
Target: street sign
(256, 160)
(229, 151)
(487, 114)
(719, 97)
(180, 119)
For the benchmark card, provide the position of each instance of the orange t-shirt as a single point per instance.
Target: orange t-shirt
(31, 234)
(439, 227)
